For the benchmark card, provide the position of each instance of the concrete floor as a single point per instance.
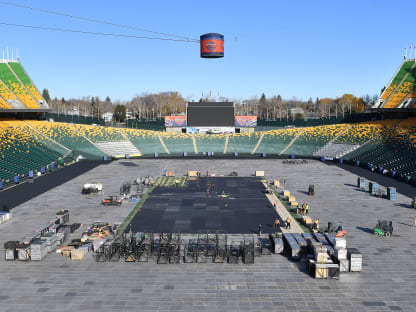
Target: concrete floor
(273, 283)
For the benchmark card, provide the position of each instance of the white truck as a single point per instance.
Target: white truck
(92, 188)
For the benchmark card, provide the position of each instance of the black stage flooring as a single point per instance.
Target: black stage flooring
(199, 207)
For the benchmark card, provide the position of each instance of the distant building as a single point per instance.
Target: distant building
(129, 114)
(107, 116)
(297, 111)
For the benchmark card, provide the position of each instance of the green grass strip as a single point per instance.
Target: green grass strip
(288, 208)
(122, 228)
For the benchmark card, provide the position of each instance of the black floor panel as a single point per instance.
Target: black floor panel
(199, 207)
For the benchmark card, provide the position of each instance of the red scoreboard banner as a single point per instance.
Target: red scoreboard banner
(245, 121)
(175, 121)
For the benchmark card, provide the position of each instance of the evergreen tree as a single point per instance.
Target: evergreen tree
(46, 96)
(262, 105)
(120, 113)
(92, 106)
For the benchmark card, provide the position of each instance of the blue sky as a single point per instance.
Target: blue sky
(292, 48)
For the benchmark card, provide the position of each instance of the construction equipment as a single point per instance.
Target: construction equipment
(111, 201)
(311, 190)
(383, 228)
(336, 229)
(125, 188)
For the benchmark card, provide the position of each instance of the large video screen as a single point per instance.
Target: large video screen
(210, 114)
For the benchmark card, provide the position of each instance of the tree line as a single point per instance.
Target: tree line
(154, 106)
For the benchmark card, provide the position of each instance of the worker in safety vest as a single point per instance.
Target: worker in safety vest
(306, 209)
(316, 224)
(288, 221)
(302, 210)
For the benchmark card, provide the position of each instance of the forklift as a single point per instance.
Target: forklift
(111, 201)
(337, 229)
(383, 228)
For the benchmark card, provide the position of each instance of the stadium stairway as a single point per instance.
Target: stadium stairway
(336, 150)
(402, 89)
(214, 143)
(146, 141)
(78, 129)
(275, 141)
(10, 97)
(16, 86)
(163, 143)
(227, 139)
(118, 148)
(26, 81)
(28, 129)
(392, 150)
(397, 78)
(127, 139)
(66, 135)
(313, 138)
(23, 150)
(177, 143)
(258, 143)
(243, 143)
(4, 104)
(194, 144)
(34, 102)
(291, 142)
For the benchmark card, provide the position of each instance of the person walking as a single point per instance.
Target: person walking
(288, 221)
(276, 224)
(259, 229)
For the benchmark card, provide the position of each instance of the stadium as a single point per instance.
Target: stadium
(207, 210)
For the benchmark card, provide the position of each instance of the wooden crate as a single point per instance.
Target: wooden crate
(286, 193)
(291, 198)
(259, 173)
(192, 173)
(77, 254)
(321, 270)
(276, 183)
(306, 220)
(65, 250)
(170, 173)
